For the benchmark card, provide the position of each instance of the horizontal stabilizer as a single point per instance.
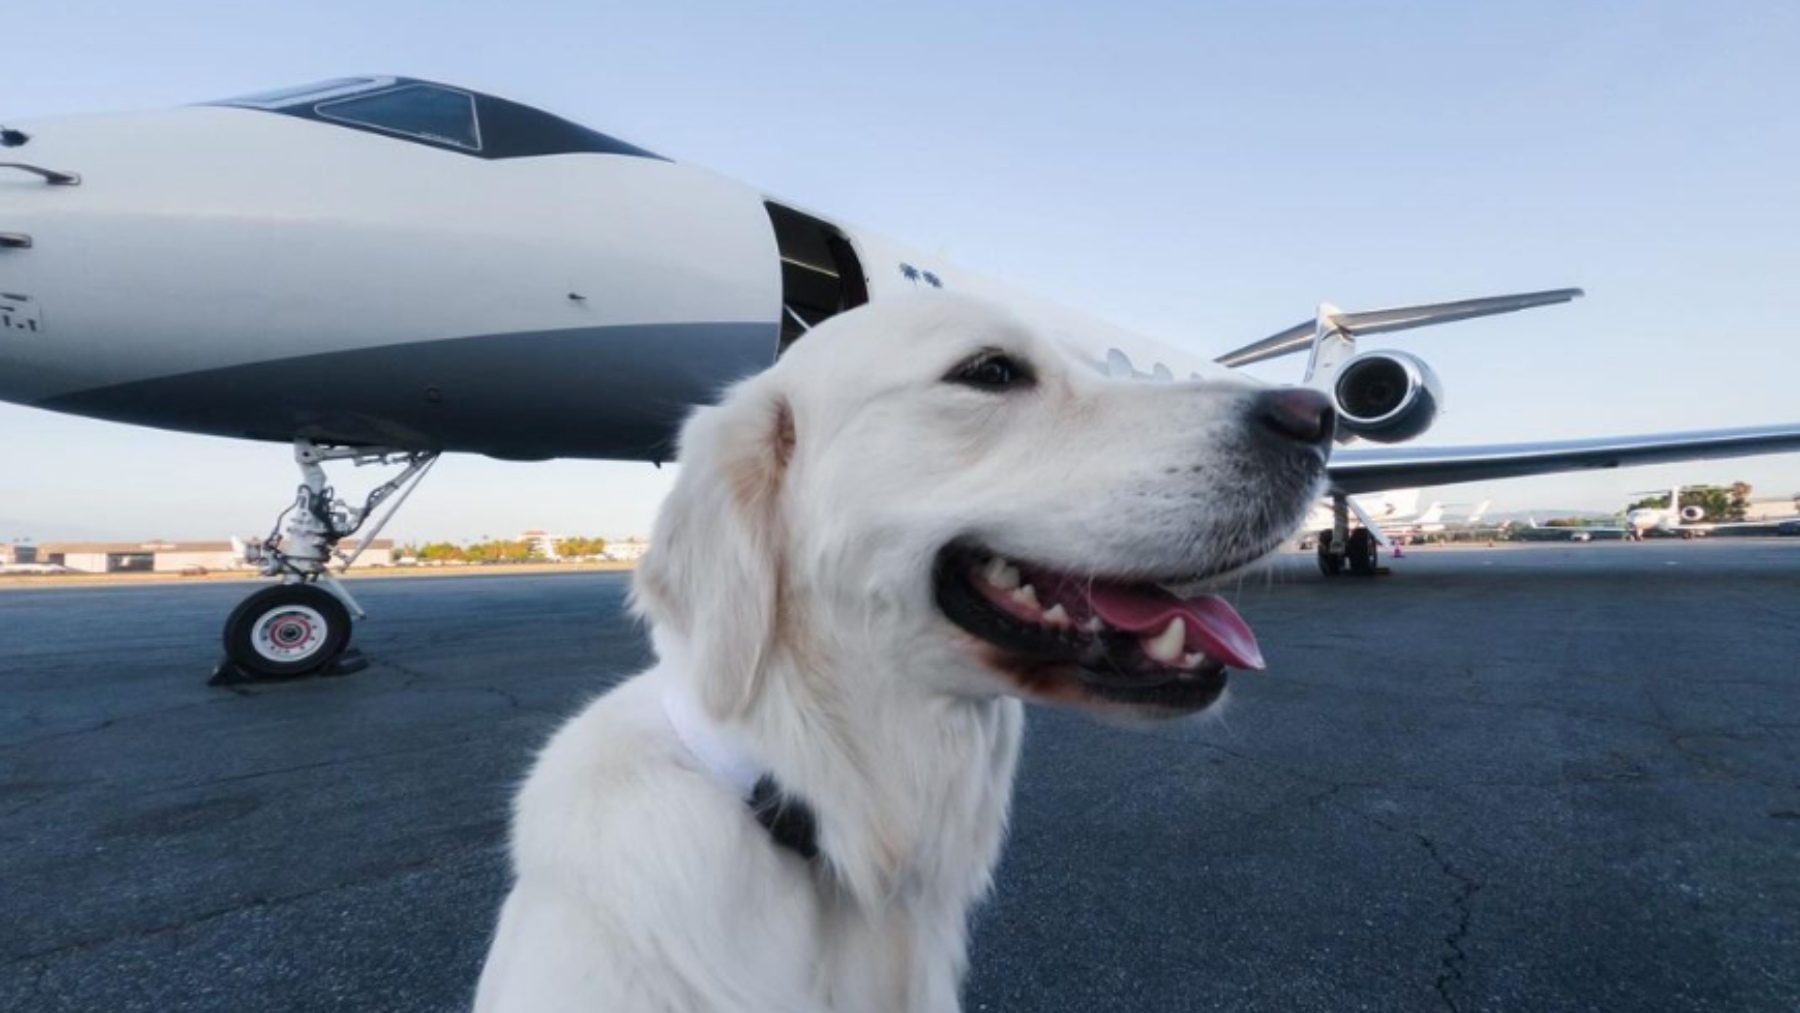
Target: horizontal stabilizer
(1299, 337)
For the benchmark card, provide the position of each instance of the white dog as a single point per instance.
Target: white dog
(924, 513)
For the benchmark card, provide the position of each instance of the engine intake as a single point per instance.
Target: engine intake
(1690, 514)
(1386, 397)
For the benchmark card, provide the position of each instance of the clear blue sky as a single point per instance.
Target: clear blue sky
(1204, 173)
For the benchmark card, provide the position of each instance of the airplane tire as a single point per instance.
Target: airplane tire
(1361, 554)
(1330, 563)
(286, 631)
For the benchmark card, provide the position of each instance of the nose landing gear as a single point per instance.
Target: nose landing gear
(302, 626)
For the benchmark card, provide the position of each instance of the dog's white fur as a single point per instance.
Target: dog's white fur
(789, 592)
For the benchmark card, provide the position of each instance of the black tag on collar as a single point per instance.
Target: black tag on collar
(786, 817)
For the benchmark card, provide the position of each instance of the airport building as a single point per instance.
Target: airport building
(543, 544)
(163, 557)
(1775, 509)
(628, 550)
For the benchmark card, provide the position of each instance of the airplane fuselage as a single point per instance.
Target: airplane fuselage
(399, 263)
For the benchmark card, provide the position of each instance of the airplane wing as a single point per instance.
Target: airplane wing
(1611, 529)
(1710, 526)
(1361, 471)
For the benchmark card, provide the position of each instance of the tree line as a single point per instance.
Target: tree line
(499, 550)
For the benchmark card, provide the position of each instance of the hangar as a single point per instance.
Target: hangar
(165, 557)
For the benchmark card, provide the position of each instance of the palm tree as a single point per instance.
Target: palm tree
(1740, 501)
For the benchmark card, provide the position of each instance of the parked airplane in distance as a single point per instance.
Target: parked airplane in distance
(383, 269)
(32, 569)
(1432, 522)
(1676, 520)
(1396, 517)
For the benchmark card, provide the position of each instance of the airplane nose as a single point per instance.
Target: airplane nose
(1296, 413)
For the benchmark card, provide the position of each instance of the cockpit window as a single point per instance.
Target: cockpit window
(306, 93)
(425, 111)
(442, 117)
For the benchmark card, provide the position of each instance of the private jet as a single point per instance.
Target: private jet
(380, 270)
(1675, 520)
(1433, 522)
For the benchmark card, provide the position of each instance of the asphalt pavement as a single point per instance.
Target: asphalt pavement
(1554, 777)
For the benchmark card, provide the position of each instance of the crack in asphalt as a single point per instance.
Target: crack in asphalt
(111, 721)
(335, 761)
(1404, 784)
(1663, 722)
(28, 803)
(70, 733)
(414, 680)
(1455, 958)
(413, 676)
(512, 699)
(43, 958)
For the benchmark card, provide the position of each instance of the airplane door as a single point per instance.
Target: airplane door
(821, 274)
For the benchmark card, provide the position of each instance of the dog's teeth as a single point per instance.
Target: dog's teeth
(1166, 646)
(1056, 615)
(1027, 596)
(1192, 661)
(1093, 624)
(1001, 574)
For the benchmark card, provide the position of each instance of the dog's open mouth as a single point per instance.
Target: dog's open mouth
(1067, 636)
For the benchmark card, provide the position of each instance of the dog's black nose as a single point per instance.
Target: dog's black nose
(1296, 413)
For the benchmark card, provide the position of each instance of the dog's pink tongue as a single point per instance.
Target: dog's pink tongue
(1214, 624)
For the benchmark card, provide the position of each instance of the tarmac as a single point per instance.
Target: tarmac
(1550, 777)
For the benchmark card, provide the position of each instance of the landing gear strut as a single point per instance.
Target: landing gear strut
(1342, 549)
(302, 625)
(1331, 559)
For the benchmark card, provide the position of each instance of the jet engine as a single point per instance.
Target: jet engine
(1386, 397)
(1690, 514)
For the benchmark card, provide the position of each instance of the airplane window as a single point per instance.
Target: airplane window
(424, 111)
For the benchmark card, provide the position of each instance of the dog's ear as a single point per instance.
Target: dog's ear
(713, 573)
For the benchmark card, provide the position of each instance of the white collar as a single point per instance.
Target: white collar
(712, 747)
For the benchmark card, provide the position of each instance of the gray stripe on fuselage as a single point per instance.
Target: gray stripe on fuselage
(605, 392)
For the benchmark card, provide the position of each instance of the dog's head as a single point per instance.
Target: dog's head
(929, 491)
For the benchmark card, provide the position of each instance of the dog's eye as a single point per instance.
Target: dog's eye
(991, 370)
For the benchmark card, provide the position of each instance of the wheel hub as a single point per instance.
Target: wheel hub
(290, 633)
